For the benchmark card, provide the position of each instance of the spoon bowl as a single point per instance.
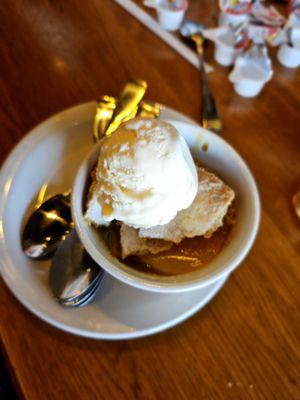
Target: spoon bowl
(190, 28)
(47, 226)
(83, 300)
(74, 276)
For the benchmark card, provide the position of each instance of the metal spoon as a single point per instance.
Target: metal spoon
(210, 118)
(74, 276)
(47, 226)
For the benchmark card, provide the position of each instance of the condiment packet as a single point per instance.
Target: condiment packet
(170, 13)
(290, 33)
(293, 24)
(295, 9)
(229, 41)
(267, 16)
(264, 34)
(172, 5)
(223, 37)
(237, 6)
(235, 12)
(258, 58)
(251, 71)
(289, 51)
(265, 25)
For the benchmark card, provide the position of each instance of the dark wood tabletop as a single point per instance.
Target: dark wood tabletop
(245, 343)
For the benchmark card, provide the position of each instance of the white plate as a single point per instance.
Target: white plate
(49, 155)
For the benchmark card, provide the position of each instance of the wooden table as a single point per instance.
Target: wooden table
(245, 343)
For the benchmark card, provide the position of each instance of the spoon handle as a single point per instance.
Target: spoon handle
(130, 97)
(105, 109)
(209, 115)
(104, 112)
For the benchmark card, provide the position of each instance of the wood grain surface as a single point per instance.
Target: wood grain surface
(245, 343)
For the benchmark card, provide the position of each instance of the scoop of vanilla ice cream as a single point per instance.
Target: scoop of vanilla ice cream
(145, 175)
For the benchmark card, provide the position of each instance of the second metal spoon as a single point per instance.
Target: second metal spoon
(74, 276)
(210, 118)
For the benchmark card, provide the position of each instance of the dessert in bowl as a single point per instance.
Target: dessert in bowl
(165, 206)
